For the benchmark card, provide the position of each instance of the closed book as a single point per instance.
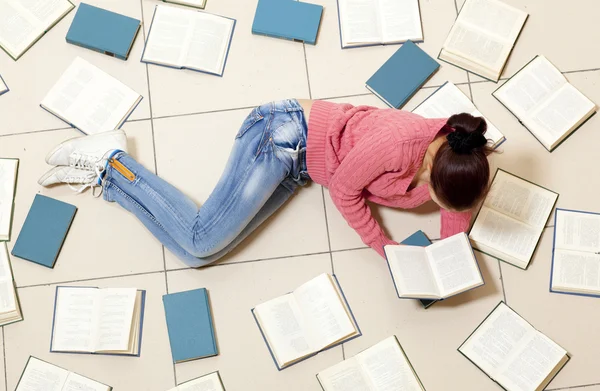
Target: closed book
(293, 20)
(103, 31)
(190, 325)
(44, 230)
(402, 75)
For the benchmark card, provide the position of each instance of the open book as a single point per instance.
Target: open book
(576, 255)
(512, 218)
(190, 3)
(103, 321)
(449, 100)
(89, 99)
(188, 39)
(513, 353)
(483, 37)
(382, 367)
(210, 382)
(8, 184)
(23, 23)
(3, 87)
(10, 309)
(545, 102)
(312, 318)
(378, 22)
(439, 271)
(42, 376)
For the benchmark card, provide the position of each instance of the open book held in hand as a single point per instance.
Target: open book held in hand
(512, 352)
(98, 321)
(483, 37)
(512, 218)
(545, 102)
(439, 271)
(576, 253)
(312, 318)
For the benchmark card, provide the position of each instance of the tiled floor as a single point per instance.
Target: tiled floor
(184, 129)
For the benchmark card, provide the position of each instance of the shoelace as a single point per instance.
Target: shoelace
(82, 161)
(89, 181)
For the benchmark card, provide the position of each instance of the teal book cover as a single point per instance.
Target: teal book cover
(293, 20)
(103, 31)
(402, 75)
(44, 230)
(190, 325)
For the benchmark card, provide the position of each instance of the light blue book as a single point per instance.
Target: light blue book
(44, 230)
(190, 325)
(402, 75)
(103, 31)
(293, 20)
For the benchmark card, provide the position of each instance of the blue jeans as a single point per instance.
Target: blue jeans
(266, 165)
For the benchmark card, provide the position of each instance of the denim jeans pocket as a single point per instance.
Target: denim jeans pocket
(249, 122)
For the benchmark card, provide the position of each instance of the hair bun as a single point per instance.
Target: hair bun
(463, 143)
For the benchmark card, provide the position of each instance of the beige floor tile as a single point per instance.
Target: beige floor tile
(398, 223)
(336, 72)
(564, 41)
(244, 361)
(566, 319)
(430, 337)
(259, 69)
(104, 240)
(32, 76)
(192, 152)
(559, 171)
(152, 371)
(583, 388)
(2, 366)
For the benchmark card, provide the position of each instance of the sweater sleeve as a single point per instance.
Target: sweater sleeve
(375, 154)
(454, 222)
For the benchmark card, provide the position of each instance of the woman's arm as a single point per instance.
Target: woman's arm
(375, 154)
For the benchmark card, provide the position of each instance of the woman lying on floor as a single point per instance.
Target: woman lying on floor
(390, 157)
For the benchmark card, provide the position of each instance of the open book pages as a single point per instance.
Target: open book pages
(210, 382)
(483, 37)
(10, 310)
(372, 22)
(545, 102)
(42, 376)
(576, 258)
(512, 219)
(382, 367)
(441, 270)
(90, 99)
(449, 100)
(310, 319)
(513, 353)
(96, 320)
(22, 23)
(8, 182)
(184, 38)
(191, 3)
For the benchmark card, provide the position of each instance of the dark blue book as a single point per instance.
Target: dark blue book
(419, 239)
(190, 325)
(103, 31)
(293, 20)
(402, 75)
(44, 230)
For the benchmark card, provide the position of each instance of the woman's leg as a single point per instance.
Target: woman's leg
(269, 149)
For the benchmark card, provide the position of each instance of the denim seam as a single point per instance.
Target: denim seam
(110, 184)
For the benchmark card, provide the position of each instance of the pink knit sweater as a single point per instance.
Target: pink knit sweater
(364, 153)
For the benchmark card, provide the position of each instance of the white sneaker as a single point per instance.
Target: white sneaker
(88, 152)
(70, 176)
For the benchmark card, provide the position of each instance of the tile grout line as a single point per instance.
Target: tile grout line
(4, 358)
(572, 387)
(164, 271)
(502, 282)
(469, 81)
(456, 7)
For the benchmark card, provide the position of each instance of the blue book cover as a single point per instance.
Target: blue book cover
(190, 325)
(103, 31)
(419, 239)
(44, 230)
(293, 20)
(402, 75)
